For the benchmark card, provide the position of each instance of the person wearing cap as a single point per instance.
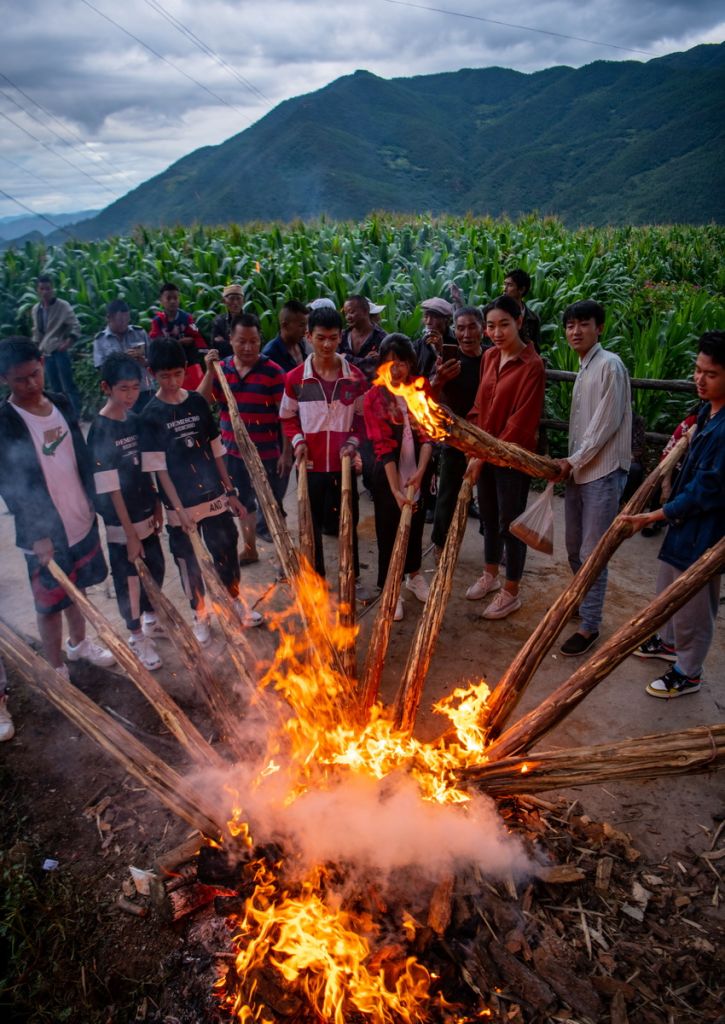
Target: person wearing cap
(437, 316)
(322, 304)
(361, 340)
(221, 326)
(375, 311)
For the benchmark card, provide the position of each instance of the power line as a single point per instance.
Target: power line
(523, 28)
(54, 152)
(65, 127)
(166, 60)
(37, 177)
(54, 132)
(206, 49)
(41, 215)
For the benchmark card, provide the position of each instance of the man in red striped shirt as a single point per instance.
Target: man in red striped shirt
(258, 386)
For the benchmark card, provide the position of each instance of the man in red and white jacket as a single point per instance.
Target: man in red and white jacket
(321, 414)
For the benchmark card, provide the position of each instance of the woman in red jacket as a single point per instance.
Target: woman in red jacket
(508, 405)
(402, 453)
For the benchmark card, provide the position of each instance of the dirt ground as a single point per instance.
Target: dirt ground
(51, 773)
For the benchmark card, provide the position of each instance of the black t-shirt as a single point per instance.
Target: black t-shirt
(116, 449)
(459, 394)
(184, 440)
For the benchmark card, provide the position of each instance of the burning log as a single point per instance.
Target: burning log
(192, 657)
(443, 425)
(165, 707)
(172, 789)
(378, 646)
(304, 514)
(517, 677)
(346, 593)
(562, 702)
(690, 752)
(426, 634)
(286, 551)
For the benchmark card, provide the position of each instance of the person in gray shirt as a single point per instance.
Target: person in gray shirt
(120, 336)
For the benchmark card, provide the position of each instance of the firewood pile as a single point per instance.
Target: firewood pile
(599, 935)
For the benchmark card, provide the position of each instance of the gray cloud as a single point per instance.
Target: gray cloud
(138, 113)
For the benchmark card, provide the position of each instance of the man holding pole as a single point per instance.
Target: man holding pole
(321, 415)
(600, 451)
(695, 514)
(257, 384)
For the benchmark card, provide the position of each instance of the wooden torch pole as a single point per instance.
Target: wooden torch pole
(529, 730)
(286, 551)
(192, 657)
(346, 595)
(172, 789)
(513, 683)
(167, 709)
(426, 634)
(378, 645)
(304, 515)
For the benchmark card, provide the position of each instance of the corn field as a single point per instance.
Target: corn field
(662, 286)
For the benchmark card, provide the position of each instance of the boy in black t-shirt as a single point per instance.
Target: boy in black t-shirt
(127, 501)
(182, 445)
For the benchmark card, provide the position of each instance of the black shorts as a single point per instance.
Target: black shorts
(84, 565)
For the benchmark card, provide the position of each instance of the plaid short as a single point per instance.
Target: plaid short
(84, 565)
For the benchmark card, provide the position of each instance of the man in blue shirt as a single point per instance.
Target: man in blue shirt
(695, 514)
(289, 348)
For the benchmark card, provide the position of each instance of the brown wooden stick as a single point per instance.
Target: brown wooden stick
(429, 625)
(238, 646)
(529, 730)
(167, 709)
(378, 645)
(304, 514)
(286, 551)
(171, 788)
(690, 752)
(346, 593)
(476, 442)
(517, 677)
(192, 657)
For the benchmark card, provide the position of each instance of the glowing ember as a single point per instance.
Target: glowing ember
(302, 929)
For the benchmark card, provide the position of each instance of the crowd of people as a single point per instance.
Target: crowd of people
(154, 454)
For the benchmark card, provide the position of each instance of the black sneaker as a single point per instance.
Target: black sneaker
(578, 644)
(673, 684)
(655, 647)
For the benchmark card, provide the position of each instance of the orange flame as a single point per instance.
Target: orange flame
(433, 418)
(321, 951)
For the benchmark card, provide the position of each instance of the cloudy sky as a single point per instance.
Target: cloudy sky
(87, 111)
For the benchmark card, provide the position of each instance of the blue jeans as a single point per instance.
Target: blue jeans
(59, 372)
(589, 509)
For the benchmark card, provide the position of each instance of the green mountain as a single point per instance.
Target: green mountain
(608, 143)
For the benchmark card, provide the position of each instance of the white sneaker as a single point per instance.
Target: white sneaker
(248, 618)
(418, 586)
(398, 610)
(483, 585)
(152, 628)
(145, 650)
(7, 729)
(201, 630)
(502, 605)
(89, 651)
(62, 670)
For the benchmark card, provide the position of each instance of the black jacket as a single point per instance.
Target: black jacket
(22, 483)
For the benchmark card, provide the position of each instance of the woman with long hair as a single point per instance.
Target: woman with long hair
(402, 457)
(508, 406)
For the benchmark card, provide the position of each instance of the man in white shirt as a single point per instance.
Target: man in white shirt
(600, 450)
